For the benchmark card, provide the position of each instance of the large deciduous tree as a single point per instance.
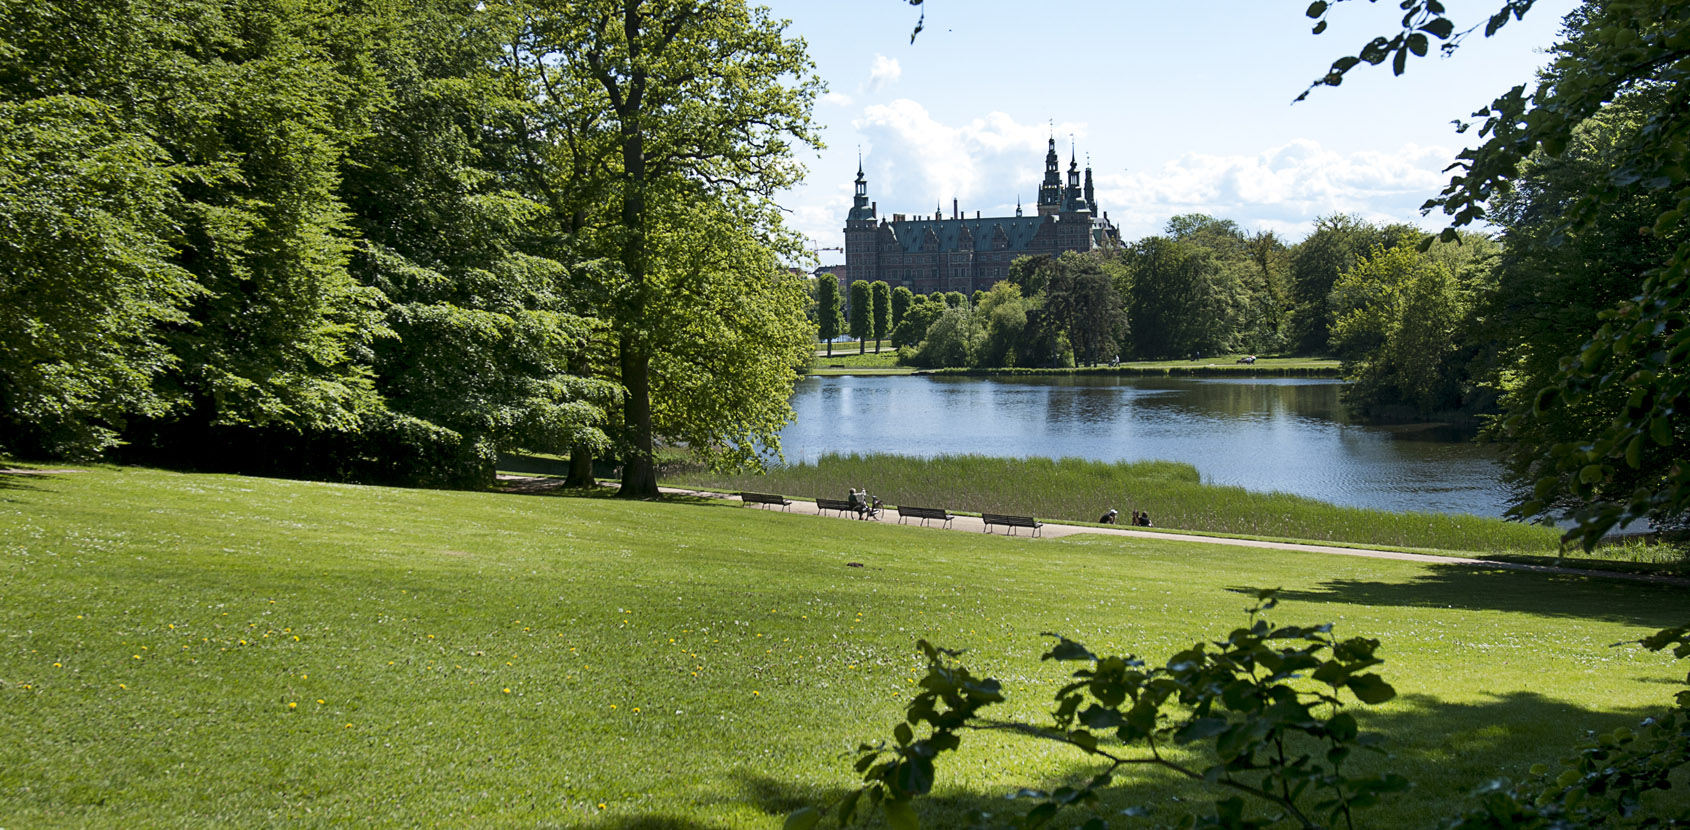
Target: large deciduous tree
(1630, 466)
(675, 110)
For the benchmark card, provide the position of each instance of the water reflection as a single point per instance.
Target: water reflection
(1288, 434)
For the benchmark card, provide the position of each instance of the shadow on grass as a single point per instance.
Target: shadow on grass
(657, 822)
(1448, 749)
(1476, 588)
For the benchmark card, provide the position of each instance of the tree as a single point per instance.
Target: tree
(1338, 242)
(902, 299)
(1397, 318)
(830, 321)
(679, 110)
(917, 320)
(1180, 303)
(86, 277)
(1082, 302)
(882, 311)
(1004, 314)
(862, 313)
(1552, 290)
(1612, 49)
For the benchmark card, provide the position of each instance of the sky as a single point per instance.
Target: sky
(1180, 107)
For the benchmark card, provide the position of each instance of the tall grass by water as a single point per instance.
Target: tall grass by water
(1077, 489)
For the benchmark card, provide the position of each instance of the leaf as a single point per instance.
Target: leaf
(848, 807)
(1400, 62)
(1200, 729)
(1441, 28)
(903, 734)
(803, 819)
(1317, 8)
(900, 815)
(1660, 429)
(1038, 816)
(1417, 44)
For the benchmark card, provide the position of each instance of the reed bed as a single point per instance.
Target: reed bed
(1081, 490)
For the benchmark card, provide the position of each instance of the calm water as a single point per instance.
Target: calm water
(1262, 434)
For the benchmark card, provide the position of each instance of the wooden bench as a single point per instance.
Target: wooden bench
(1011, 522)
(765, 498)
(924, 514)
(841, 505)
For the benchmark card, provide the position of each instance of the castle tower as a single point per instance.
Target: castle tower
(1091, 194)
(1071, 196)
(862, 250)
(1050, 192)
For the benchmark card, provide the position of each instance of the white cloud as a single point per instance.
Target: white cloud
(1282, 188)
(915, 161)
(837, 99)
(884, 71)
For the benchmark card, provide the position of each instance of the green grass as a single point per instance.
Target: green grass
(854, 363)
(682, 665)
(1081, 490)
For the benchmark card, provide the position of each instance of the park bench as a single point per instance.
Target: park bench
(765, 498)
(841, 505)
(1011, 522)
(924, 514)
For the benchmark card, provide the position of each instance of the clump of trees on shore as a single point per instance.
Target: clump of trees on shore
(386, 242)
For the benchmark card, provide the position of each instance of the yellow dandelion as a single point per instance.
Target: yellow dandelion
(321, 701)
(756, 693)
(296, 638)
(349, 726)
(136, 656)
(58, 665)
(305, 677)
(636, 708)
(121, 686)
(613, 706)
(293, 705)
(601, 805)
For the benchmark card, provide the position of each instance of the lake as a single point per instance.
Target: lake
(1265, 434)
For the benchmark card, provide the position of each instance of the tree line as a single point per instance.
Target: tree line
(386, 242)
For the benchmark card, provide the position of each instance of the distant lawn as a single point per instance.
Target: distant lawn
(190, 650)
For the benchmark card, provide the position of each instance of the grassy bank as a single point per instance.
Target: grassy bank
(189, 650)
(1081, 490)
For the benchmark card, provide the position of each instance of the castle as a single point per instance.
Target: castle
(968, 255)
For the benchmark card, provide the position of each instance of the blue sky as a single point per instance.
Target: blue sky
(1181, 107)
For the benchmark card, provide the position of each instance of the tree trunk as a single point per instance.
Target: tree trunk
(639, 468)
(862, 345)
(830, 347)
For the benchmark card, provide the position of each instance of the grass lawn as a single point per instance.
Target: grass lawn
(191, 650)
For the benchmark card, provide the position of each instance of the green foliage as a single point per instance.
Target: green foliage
(662, 113)
(882, 321)
(1336, 245)
(1611, 50)
(902, 299)
(862, 312)
(917, 321)
(830, 317)
(1081, 301)
(1397, 330)
(1180, 300)
(86, 277)
(1259, 713)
